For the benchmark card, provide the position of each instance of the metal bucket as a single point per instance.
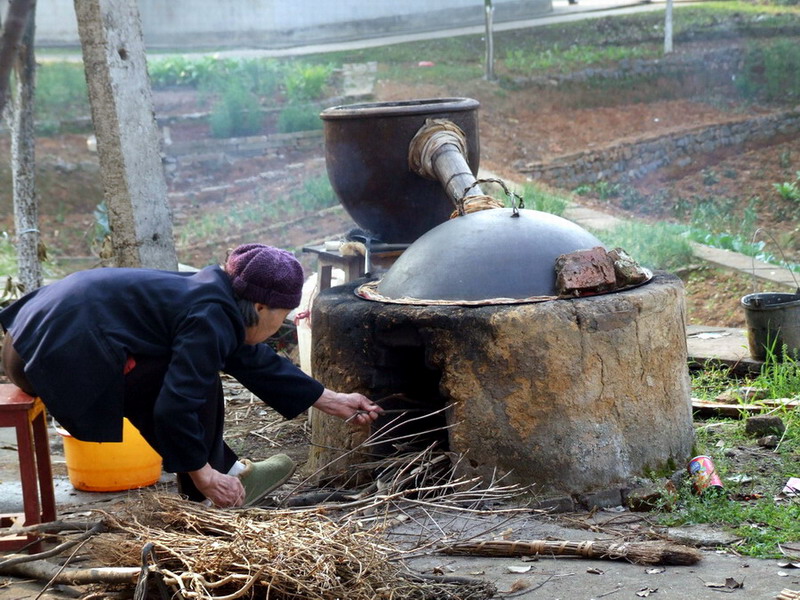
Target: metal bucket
(773, 321)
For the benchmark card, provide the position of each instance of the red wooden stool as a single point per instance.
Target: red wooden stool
(27, 415)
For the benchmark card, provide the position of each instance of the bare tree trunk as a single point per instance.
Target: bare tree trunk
(16, 18)
(127, 136)
(489, 9)
(668, 28)
(20, 118)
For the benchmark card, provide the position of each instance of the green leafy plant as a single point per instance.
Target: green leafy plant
(260, 76)
(237, 113)
(299, 117)
(606, 189)
(788, 190)
(709, 177)
(771, 71)
(305, 82)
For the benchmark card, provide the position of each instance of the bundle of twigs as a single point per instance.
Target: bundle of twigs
(640, 553)
(200, 552)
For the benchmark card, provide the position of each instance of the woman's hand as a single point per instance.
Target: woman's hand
(354, 408)
(222, 490)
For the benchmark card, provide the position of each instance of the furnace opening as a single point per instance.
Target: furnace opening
(408, 383)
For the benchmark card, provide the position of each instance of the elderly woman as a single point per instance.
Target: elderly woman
(149, 345)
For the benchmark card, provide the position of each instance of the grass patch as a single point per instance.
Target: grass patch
(542, 199)
(653, 245)
(749, 508)
(564, 60)
(61, 95)
(438, 73)
(771, 71)
(316, 194)
(8, 256)
(299, 117)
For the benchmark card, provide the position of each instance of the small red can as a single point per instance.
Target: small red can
(704, 474)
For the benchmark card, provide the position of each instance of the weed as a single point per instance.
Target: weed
(632, 198)
(8, 255)
(60, 95)
(785, 159)
(236, 114)
(299, 117)
(316, 194)
(658, 246)
(788, 190)
(304, 82)
(771, 71)
(539, 198)
(563, 60)
(213, 75)
(764, 521)
(436, 74)
(606, 189)
(780, 374)
(709, 177)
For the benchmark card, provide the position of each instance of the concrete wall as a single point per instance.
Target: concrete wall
(282, 23)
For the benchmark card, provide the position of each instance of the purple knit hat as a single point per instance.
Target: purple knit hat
(266, 275)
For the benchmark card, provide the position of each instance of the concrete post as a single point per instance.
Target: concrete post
(127, 136)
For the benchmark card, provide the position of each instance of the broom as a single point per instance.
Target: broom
(640, 553)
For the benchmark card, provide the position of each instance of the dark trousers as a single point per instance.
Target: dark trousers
(142, 386)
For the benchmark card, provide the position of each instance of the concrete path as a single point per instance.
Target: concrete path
(563, 12)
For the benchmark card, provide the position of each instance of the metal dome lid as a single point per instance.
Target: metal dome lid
(492, 256)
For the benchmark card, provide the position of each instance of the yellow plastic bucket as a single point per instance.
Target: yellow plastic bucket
(111, 466)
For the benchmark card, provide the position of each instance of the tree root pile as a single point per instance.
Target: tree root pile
(200, 552)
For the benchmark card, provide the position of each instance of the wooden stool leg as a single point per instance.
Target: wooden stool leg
(44, 468)
(27, 475)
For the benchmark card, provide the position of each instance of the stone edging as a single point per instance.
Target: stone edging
(629, 161)
(247, 146)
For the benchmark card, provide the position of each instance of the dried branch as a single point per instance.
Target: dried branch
(46, 571)
(640, 553)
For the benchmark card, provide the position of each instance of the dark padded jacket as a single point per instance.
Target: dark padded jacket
(76, 334)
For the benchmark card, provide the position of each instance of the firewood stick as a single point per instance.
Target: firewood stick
(47, 571)
(642, 553)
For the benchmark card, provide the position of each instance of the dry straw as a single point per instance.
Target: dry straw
(206, 553)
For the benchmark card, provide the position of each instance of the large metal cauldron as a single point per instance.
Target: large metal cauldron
(366, 152)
